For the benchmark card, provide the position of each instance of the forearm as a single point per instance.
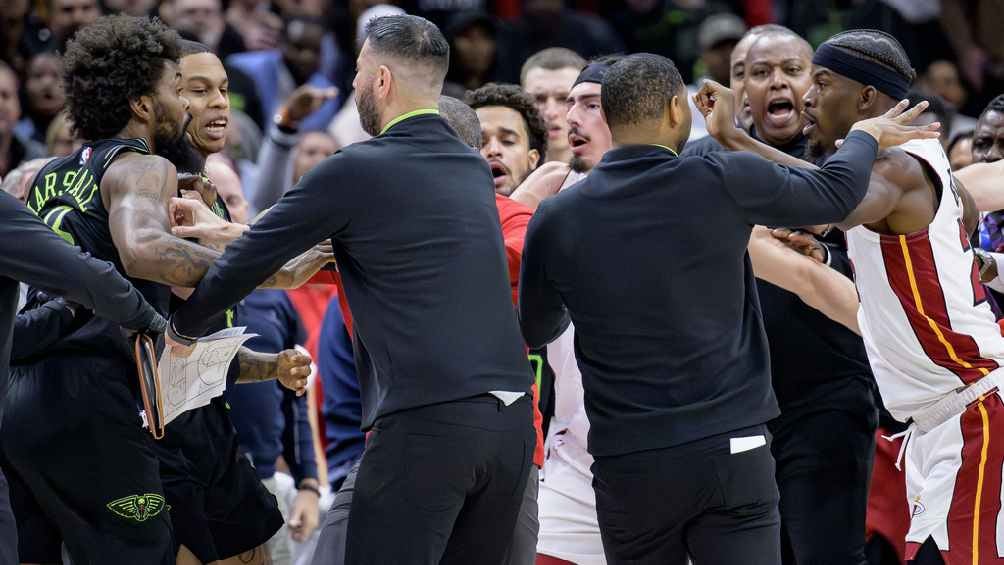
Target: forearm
(255, 367)
(157, 256)
(737, 139)
(984, 183)
(297, 438)
(275, 170)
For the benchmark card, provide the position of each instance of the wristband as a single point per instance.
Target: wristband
(311, 488)
(172, 333)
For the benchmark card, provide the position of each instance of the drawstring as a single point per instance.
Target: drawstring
(906, 434)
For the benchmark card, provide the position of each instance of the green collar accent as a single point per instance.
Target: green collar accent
(670, 149)
(406, 115)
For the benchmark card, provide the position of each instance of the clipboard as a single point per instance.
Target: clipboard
(149, 384)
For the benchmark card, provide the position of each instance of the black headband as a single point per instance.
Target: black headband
(593, 72)
(885, 80)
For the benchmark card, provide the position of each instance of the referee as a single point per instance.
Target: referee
(444, 379)
(675, 369)
(30, 252)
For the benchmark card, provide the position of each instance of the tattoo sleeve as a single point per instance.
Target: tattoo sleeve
(256, 367)
(138, 192)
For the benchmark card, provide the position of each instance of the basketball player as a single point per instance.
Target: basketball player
(91, 467)
(931, 337)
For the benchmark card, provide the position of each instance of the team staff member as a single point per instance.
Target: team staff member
(649, 367)
(425, 275)
(31, 253)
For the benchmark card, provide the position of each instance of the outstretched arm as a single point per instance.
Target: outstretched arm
(816, 284)
(32, 253)
(290, 367)
(985, 183)
(137, 190)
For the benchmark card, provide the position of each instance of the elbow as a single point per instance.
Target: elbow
(135, 254)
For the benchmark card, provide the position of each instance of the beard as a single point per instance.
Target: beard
(369, 117)
(815, 151)
(580, 165)
(176, 147)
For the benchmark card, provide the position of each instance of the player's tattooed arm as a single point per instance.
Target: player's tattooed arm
(137, 190)
(290, 367)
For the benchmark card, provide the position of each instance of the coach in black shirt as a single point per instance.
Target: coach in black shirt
(444, 378)
(648, 255)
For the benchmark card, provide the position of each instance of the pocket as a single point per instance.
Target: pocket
(747, 477)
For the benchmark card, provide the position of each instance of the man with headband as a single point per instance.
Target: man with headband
(672, 410)
(931, 338)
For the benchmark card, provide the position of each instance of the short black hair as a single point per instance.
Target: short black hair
(110, 62)
(639, 88)
(463, 119)
(512, 96)
(552, 59)
(995, 105)
(875, 46)
(411, 38)
(188, 47)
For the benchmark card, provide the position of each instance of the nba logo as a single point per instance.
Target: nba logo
(85, 155)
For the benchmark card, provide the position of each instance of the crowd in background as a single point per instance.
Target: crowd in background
(277, 51)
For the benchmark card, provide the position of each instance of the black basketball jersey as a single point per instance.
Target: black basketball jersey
(66, 195)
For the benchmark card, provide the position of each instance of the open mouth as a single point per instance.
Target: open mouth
(780, 112)
(577, 142)
(499, 173)
(554, 131)
(216, 129)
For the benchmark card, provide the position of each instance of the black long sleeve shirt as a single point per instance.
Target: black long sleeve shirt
(31, 252)
(419, 247)
(648, 254)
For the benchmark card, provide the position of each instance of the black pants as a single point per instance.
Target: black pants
(8, 528)
(446, 481)
(713, 500)
(824, 463)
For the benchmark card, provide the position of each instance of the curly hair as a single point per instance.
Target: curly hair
(513, 97)
(110, 62)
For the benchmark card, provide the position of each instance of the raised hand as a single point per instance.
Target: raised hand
(292, 370)
(718, 105)
(303, 102)
(893, 128)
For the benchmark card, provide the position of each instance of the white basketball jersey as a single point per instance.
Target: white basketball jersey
(923, 316)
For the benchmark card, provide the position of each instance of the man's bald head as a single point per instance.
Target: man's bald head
(463, 119)
(737, 68)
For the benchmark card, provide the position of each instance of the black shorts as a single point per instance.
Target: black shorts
(84, 470)
(217, 502)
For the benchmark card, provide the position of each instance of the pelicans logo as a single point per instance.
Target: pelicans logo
(138, 507)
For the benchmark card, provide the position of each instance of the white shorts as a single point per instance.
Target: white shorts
(567, 511)
(953, 483)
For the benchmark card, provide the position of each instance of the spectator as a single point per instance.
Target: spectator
(203, 21)
(278, 72)
(13, 148)
(136, 8)
(43, 95)
(67, 16)
(973, 28)
(13, 32)
(342, 400)
(478, 51)
(960, 150)
(716, 37)
(547, 23)
(259, 27)
(59, 138)
(277, 169)
(315, 147)
(547, 76)
(942, 79)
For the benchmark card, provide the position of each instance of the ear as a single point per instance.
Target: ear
(676, 112)
(142, 108)
(383, 81)
(867, 99)
(534, 157)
